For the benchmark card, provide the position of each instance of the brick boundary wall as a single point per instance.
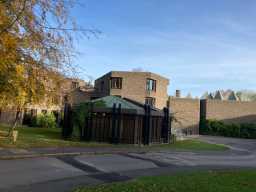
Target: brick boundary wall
(187, 113)
(228, 111)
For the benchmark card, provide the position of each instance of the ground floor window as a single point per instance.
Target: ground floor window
(150, 101)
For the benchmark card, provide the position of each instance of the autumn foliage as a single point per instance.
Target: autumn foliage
(35, 49)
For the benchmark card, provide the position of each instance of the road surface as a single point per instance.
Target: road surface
(65, 173)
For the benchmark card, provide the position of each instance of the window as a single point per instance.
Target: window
(56, 99)
(116, 82)
(33, 112)
(66, 99)
(44, 111)
(151, 85)
(150, 101)
(74, 85)
(102, 85)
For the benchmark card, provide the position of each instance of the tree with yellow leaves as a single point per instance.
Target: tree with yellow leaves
(36, 46)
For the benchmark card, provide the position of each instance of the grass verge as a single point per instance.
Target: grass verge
(210, 181)
(29, 137)
(43, 137)
(193, 144)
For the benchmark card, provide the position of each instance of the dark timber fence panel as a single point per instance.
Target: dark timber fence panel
(116, 126)
(67, 122)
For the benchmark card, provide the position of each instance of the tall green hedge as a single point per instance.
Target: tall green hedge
(220, 128)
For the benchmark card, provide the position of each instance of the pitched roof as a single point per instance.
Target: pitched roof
(218, 95)
(232, 96)
(211, 96)
(111, 100)
(227, 95)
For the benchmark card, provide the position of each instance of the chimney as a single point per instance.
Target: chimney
(177, 94)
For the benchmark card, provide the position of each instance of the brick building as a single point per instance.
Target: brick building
(50, 104)
(144, 87)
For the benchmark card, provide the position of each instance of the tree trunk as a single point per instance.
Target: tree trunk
(17, 118)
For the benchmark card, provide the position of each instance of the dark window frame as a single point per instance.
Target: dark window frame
(150, 101)
(44, 111)
(151, 85)
(116, 82)
(74, 84)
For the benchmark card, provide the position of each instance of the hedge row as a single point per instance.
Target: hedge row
(47, 120)
(219, 128)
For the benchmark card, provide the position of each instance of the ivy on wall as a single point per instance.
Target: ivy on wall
(81, 112)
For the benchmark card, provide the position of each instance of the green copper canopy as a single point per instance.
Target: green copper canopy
(110, 100)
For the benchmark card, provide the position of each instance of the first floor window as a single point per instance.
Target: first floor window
(151, 85)
(74, 85)
(150, 101)
(116, 82)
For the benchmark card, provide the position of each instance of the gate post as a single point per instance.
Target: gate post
(119, 116)
(67, 128)
(166, 130)
(147, 125)
(113, 123)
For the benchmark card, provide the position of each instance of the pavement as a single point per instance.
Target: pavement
(74, 167)
(8, 154)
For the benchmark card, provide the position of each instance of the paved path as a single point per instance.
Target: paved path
(66, 172)
(237, 144)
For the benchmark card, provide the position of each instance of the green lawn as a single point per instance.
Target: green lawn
(193, 145)
(210, 181)
(43, 137)
(47, 137)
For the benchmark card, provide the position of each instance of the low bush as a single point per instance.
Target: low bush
(47, 120)
(220, 128)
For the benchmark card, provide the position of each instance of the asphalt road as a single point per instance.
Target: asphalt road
(68, 172)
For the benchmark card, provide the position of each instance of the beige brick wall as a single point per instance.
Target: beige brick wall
(78, 96)
(187, 113)
(106, 87)
(231, 111)
(134, 86)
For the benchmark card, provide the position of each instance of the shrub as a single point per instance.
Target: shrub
(215, 127)
(47, 120)
(34, 122)
(80, 113)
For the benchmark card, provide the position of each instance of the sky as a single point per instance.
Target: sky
(200, 45)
